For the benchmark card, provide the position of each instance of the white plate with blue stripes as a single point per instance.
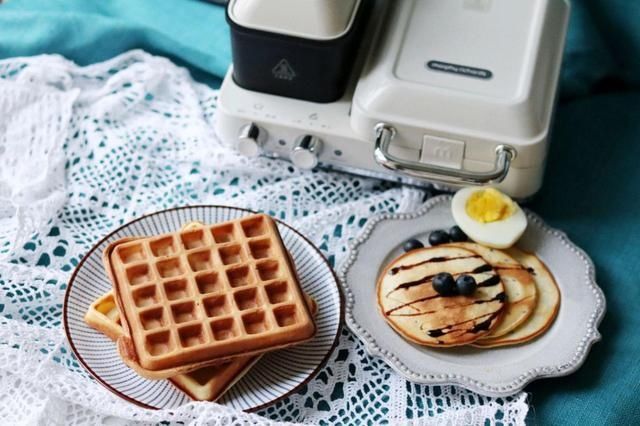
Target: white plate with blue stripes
(275, 376)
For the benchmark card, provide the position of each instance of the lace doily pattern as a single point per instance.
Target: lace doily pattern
(84, 150)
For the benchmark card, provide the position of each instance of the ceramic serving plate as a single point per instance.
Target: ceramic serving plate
(494, 372)
(275, 376)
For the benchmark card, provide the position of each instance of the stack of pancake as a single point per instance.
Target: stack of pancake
(517, 298)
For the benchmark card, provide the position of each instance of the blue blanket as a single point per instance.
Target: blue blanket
(190, 32)
(592, 190)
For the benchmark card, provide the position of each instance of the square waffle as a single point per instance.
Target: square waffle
(204, 295)
(204, 384)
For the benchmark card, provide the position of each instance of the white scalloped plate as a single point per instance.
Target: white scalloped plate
(494, 372)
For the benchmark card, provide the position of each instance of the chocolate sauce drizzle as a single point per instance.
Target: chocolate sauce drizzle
(484, 325)
(393, 271)
(436, 333)
(515, 268)
(500, 297)
(404, 305)
(484, 268)
(409, 284)
(397, 269)
(493, 280)
(481, 326)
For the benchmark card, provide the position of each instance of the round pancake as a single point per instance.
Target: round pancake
(546, 309)
(411, 306)
(518, 283)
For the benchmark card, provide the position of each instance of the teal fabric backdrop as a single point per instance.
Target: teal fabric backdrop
(190, 32)
(592, 189)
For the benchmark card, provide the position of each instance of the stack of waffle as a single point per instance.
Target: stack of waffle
(200, 306)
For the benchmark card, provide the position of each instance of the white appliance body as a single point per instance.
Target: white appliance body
(445, 91)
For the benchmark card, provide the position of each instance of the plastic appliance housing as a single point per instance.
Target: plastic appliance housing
(302, 49)
(455, 80)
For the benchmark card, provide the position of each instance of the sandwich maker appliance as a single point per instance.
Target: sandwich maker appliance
(452, 92)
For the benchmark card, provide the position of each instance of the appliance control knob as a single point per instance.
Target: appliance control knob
(251, 139)
(305, 152)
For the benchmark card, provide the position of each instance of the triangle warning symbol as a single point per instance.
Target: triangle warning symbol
(284, 71)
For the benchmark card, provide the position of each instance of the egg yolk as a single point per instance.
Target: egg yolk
(489, 205)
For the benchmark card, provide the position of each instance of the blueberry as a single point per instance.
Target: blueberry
(444, 284)
(411, 245)
(457, 235)
(439, 237)
(466, 285)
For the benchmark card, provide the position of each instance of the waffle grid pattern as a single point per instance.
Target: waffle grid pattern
(210, 291)
(206, 384)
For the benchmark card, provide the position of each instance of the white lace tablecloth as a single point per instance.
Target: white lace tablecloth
(84, 150)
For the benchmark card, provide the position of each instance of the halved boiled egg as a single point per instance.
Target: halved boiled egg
(488, 216)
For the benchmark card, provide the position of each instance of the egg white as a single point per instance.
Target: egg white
(500, 234)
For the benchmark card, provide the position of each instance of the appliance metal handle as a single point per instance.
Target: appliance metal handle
(385, 134)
